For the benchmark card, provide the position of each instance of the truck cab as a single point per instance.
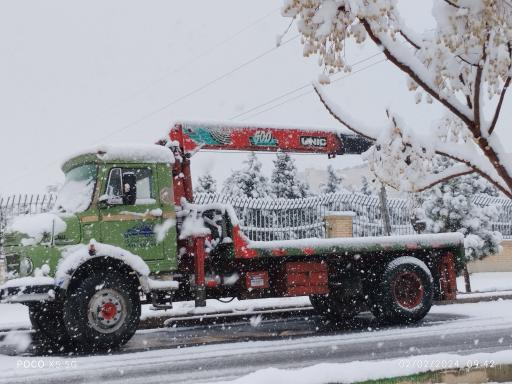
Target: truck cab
(116, 195)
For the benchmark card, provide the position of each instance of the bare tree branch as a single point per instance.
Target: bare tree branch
(409, 40)
(502, 95)
(498, 107)
(477, 124)
(468, 99)
(452, 3)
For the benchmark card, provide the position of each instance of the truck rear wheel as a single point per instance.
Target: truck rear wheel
(47, 321)
(404, 292)
(102, 311)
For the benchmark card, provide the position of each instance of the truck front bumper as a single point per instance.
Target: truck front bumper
(24, 292)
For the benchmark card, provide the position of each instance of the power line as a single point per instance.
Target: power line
(196, 90)
(171, 103)
(311, 91)
(306, 85)
(170, 71)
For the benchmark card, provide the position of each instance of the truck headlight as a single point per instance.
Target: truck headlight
(26, 266)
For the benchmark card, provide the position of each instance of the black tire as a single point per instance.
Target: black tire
(403, 293)
(334, 307)
(47, 321)
(102, 311)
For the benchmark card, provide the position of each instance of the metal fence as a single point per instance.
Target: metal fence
(23, 204)
(276, 219)
(503, 222)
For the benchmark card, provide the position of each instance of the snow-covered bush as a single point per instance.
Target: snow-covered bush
(284, 180)
(247, 182)
(464, 64)
(333, 184)
(449, 207)
(206, 184)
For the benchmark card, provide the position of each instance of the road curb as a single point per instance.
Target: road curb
(166, 321)
(470, 300)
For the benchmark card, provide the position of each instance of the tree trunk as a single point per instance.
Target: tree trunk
(384, 210)
(467, 282)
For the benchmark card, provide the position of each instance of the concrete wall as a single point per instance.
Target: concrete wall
(501, 262)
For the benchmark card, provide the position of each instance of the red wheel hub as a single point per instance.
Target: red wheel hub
(108, 311)
(408, 290)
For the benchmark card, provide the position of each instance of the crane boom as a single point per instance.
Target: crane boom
(193, 136)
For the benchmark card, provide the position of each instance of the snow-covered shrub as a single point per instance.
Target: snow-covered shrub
(449, 207)
(284, 180)
(333, 184)
(206, 184)
(247, 182)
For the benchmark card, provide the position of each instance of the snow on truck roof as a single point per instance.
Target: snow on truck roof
(147, 153)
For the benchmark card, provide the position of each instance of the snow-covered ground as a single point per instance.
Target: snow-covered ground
(215, 362)
(487, 282)
(14, 316)
(372, 370)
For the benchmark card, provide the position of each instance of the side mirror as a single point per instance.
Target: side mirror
(129, 188)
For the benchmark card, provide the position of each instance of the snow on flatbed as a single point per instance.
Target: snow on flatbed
(438, 240)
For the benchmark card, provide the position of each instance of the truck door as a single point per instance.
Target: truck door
(130, 223)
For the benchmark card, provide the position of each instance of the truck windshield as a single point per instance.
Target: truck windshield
(76, 193)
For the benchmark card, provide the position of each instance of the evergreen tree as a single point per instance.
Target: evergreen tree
(285, 183)
(248, 182)
(206, 184)
(369, 187)
(449, 207)
(333, 184)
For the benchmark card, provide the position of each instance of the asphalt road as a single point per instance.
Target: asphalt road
(220, 350)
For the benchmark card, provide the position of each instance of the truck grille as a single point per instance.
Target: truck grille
(10, 238)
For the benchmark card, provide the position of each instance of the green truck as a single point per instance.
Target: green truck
(125, 231)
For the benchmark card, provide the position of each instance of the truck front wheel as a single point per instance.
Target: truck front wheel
(48, 323)
(404, 292)
(102, 311)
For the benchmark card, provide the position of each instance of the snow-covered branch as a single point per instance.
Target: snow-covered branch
(403, 160)
(465, 58)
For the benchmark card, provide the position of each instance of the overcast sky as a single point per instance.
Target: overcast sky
(74, 74)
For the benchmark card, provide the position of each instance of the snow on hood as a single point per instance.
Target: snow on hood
(76, 255)
(147, 153)
(36, 226)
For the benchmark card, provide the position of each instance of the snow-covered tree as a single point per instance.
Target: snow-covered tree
(464, 64)
(333, 184)
(369, 187)
(206, 184)
(285, 183)
(247, 182)
(449, 207)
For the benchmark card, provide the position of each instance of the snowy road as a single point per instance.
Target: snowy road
(238, 348)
